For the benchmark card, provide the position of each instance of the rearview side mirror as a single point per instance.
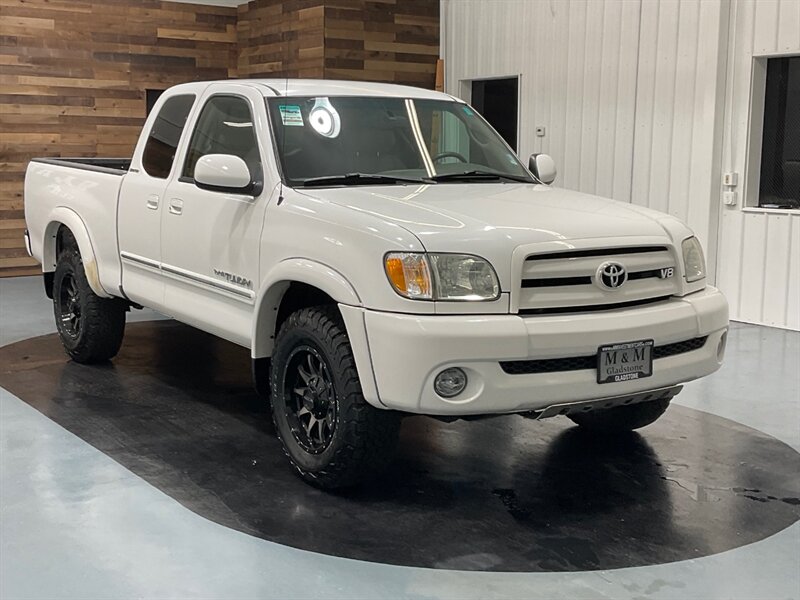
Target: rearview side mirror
(543, 167)
(224, 173)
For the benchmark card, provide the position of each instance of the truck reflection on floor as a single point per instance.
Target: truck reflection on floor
(509, 494)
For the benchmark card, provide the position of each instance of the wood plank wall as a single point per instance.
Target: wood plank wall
(393, 41)
(281, 38)
(73, 76)
(73, 73)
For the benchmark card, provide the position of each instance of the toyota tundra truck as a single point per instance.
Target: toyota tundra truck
(382, 252)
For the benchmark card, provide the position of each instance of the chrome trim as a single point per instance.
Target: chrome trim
(140, 260)
(208, 281)
(189, 276)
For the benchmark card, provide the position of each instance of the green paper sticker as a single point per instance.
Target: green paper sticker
(468, 111)
(291, 115)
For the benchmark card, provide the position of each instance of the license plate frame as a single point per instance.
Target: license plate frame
(632, 361)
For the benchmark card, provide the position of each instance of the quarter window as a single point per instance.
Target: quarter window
(159, 151)
(225, 126)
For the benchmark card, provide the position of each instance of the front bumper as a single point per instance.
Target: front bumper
(398, 356)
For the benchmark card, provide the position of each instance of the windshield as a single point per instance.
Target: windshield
(377, 140)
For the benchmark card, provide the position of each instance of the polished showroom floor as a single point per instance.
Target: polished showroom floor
(158, 476)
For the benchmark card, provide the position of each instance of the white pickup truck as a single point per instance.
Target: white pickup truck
(381, 251)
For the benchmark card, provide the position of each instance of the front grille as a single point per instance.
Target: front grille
(581, 363)
(564, 281)
(560, 310)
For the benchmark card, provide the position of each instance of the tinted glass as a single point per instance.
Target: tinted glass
(337, 136)
(225, 126)
(320, 137)
(159, 151)
(780, 148)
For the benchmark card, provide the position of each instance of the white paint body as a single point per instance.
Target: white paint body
(650, 102)
(222, 262)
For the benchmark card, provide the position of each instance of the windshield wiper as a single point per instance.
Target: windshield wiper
(487, 175)
(359, 179)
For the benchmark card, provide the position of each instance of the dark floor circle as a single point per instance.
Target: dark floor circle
(503, 494)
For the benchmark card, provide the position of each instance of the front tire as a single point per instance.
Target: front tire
(332, 436)
(622, 418)
(90, 327)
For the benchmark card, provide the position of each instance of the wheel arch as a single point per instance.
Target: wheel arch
(295, 283)
(65, 218)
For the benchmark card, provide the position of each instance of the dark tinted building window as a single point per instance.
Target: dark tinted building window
(225, 126)
(497, 101)
(780, 146)
(159, 152)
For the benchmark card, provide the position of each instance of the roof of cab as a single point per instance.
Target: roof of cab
(330, 87)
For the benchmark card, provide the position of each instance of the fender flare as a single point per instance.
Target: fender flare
(274, 286)
(62, 215)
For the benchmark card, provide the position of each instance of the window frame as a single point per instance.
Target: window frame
(751, 188)
(157, 114)
(256, 178)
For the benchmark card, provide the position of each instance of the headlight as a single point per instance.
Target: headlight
(455, 277)
(694, 265)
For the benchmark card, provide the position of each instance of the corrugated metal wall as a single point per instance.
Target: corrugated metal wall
(759, 256)
(577, 62)
(633, 96)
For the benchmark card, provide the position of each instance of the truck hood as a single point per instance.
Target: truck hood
(460, 217)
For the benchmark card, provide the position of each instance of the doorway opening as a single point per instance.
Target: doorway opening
(498, 101)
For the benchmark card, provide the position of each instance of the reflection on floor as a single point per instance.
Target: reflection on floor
(509, 494)
(176, 414)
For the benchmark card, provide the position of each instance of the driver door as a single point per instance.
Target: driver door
(211, 239)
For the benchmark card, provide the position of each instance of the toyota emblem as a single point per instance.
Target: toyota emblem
(611, 275)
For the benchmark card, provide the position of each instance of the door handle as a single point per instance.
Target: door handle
(176, 206)
(152, 201)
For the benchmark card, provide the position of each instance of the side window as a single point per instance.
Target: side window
(159, 151)
(225, 126)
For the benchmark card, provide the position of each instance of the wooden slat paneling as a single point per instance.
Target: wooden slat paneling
(73, 76)
(73, 73)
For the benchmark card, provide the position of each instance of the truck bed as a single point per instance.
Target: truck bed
(81, 193)
(112, 166)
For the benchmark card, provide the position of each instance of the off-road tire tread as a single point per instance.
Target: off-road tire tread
(370, 434)
(622, 418)
(103, 318)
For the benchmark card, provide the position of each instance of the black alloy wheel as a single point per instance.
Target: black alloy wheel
(331, 435)
(69, 306)
(311, 413)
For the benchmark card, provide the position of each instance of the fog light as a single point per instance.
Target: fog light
(450, 382)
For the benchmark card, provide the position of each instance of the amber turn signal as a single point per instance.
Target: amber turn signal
(409, 274)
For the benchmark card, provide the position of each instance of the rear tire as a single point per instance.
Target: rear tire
(622, 418)
(90, 327)
(332, 436)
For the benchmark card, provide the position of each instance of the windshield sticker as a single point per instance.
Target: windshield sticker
(291, 115)
(468, 111)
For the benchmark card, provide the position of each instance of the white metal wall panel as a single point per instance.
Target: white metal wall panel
(647, 102)
(577, 61)
(677, 128)
(759, 250)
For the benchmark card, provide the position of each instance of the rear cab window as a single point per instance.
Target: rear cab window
(162, 143)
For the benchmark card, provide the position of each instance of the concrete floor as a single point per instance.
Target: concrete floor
(74, 523)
